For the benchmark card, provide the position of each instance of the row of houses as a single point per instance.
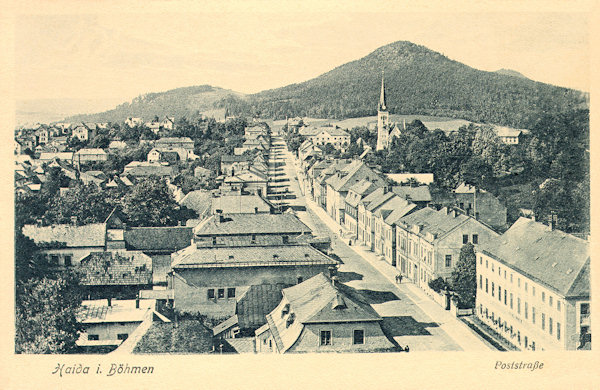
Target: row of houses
(423, 242)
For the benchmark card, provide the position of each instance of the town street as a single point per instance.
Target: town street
(410, 317)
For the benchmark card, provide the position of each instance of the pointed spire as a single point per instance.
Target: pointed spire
(382, 105)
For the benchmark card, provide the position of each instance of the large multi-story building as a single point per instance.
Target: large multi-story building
(428, 242)
(533, 287)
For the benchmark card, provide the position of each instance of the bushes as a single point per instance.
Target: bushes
(438, 284)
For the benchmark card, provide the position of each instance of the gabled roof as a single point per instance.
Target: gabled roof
(333, 131)
(116, 268)
(158, 239)
(315, 300)
(250, 256)
(394, 209)
(361, 189)
(198, 200)
(239, 204)
(350, 175)
(72, 236)
(229, 158)
(252, 224)
(90, 151)
(174, 140)
(552, 257)
(98, 311)
(415, 194)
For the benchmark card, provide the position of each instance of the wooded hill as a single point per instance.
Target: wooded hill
(178, 103)
(418, 81)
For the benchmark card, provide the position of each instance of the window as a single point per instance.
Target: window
(122, 336)
(486, 263)
(465, 238)
(525, 286)
(558, 305)
(550, 300)
(492, 267)
(221, 293)
(519, 282)
(214, 240)
(285, 239)
(231, 292)
(518, 305)
(511, 280)
(480, 282)
(448, 260)
(543, 321)
(543, 296)
(504, 274)
(511, 300)
(475, 238)
(93, 337)
(486, 285)
(558, 330)
(480, 260)
(585, 308)
(526, 311)
(210, 294)
(68, 260)
(493, 289)
(358, 337)
(54, 259)
(500, 293)
(550, 325)
(504, 296)
(533, 314)
(533, 290)
(498, 270)
(253, 239)
(325, 337)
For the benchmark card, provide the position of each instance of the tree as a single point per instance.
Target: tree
(87, 202)
(151, 203)
(464, 278)
(46, 311)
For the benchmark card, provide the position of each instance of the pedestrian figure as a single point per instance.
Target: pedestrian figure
(407, 349)
(400, 279)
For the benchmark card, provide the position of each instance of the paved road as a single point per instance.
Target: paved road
(410, 317)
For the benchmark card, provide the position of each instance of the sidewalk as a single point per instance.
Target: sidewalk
(447, 321)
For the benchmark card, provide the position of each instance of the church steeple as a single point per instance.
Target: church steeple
(383, 117)
(382, 105)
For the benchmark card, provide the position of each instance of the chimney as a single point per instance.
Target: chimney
(74, 220)
(256, 210)
(137, 302)
(38, 222)
(333, 280)
(385, 189)
(109, 301)
(552, 221)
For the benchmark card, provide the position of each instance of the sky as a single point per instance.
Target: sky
(96, 53)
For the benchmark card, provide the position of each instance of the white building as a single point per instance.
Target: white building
(533, 287)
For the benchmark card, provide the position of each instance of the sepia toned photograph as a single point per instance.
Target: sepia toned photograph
(302, 180)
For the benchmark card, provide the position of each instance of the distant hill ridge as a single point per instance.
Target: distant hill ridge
(179, 102)
(418, 81)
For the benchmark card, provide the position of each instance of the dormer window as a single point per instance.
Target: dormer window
(285, 310)
(290, 320)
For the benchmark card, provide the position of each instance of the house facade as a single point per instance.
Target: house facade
(319, 315)
(428, 242)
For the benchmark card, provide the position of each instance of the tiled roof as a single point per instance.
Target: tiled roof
(159, 239)
(379, 200)
(416, 194)
(237, 204)
(252, 224)
(398, 207)
(350, 175)
(198, 200)
(502, 131)
(360, 190)
(96, 311)
(257, 302)
(173, 140)
(334, 131)
(72, 236)
(435, 222)
(557, 259)
(230, 158)
(212, 257)
(90, 151)
(116, 268)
